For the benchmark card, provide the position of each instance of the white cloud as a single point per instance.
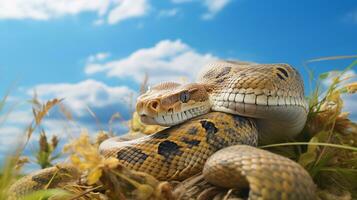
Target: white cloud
(167, 61)
(102, 99)
(350, 102)
(168, 13)
(98, 57)
(128, 9)
(181, 1)
(213, 6)
(99, 22)
(17, 117)
(13, 130)
(115, 10)
(9, 137)
(80, 95)
(348, 76)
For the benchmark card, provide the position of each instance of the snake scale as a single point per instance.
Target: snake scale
(215, 126)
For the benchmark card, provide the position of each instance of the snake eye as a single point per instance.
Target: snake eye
(184, 96)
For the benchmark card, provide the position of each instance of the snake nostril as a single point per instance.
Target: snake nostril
(154, 105)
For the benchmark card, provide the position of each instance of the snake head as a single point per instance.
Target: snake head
(172, 103)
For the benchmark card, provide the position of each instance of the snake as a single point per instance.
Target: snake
(214, 126)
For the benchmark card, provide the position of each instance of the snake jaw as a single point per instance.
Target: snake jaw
(147, 119)
(174, 118)
(177, 116)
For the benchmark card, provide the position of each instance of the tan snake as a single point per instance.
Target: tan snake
(262, 102)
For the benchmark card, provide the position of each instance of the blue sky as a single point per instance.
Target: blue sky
(94, 53)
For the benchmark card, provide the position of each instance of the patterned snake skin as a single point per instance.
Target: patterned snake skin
(256, 102)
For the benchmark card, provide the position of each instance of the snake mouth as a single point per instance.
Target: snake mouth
(170, 119)
(147, 119)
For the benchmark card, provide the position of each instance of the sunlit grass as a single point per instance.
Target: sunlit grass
(326, 148)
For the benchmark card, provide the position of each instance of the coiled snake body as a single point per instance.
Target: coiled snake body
(216, 124)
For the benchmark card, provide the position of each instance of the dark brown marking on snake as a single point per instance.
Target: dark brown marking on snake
(223, 72)
(209, 127)
(221, 80)
(50, 180)
(40, 179)
(191, 142)
(132, 155)
(280, 76)
(169, 150)
(283, 71)
(215, 141)
(208, 74)
(192, 131)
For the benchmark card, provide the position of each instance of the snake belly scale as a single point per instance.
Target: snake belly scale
(216, 124)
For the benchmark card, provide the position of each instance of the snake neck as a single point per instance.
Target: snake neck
(275, 124)
(180, 151)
